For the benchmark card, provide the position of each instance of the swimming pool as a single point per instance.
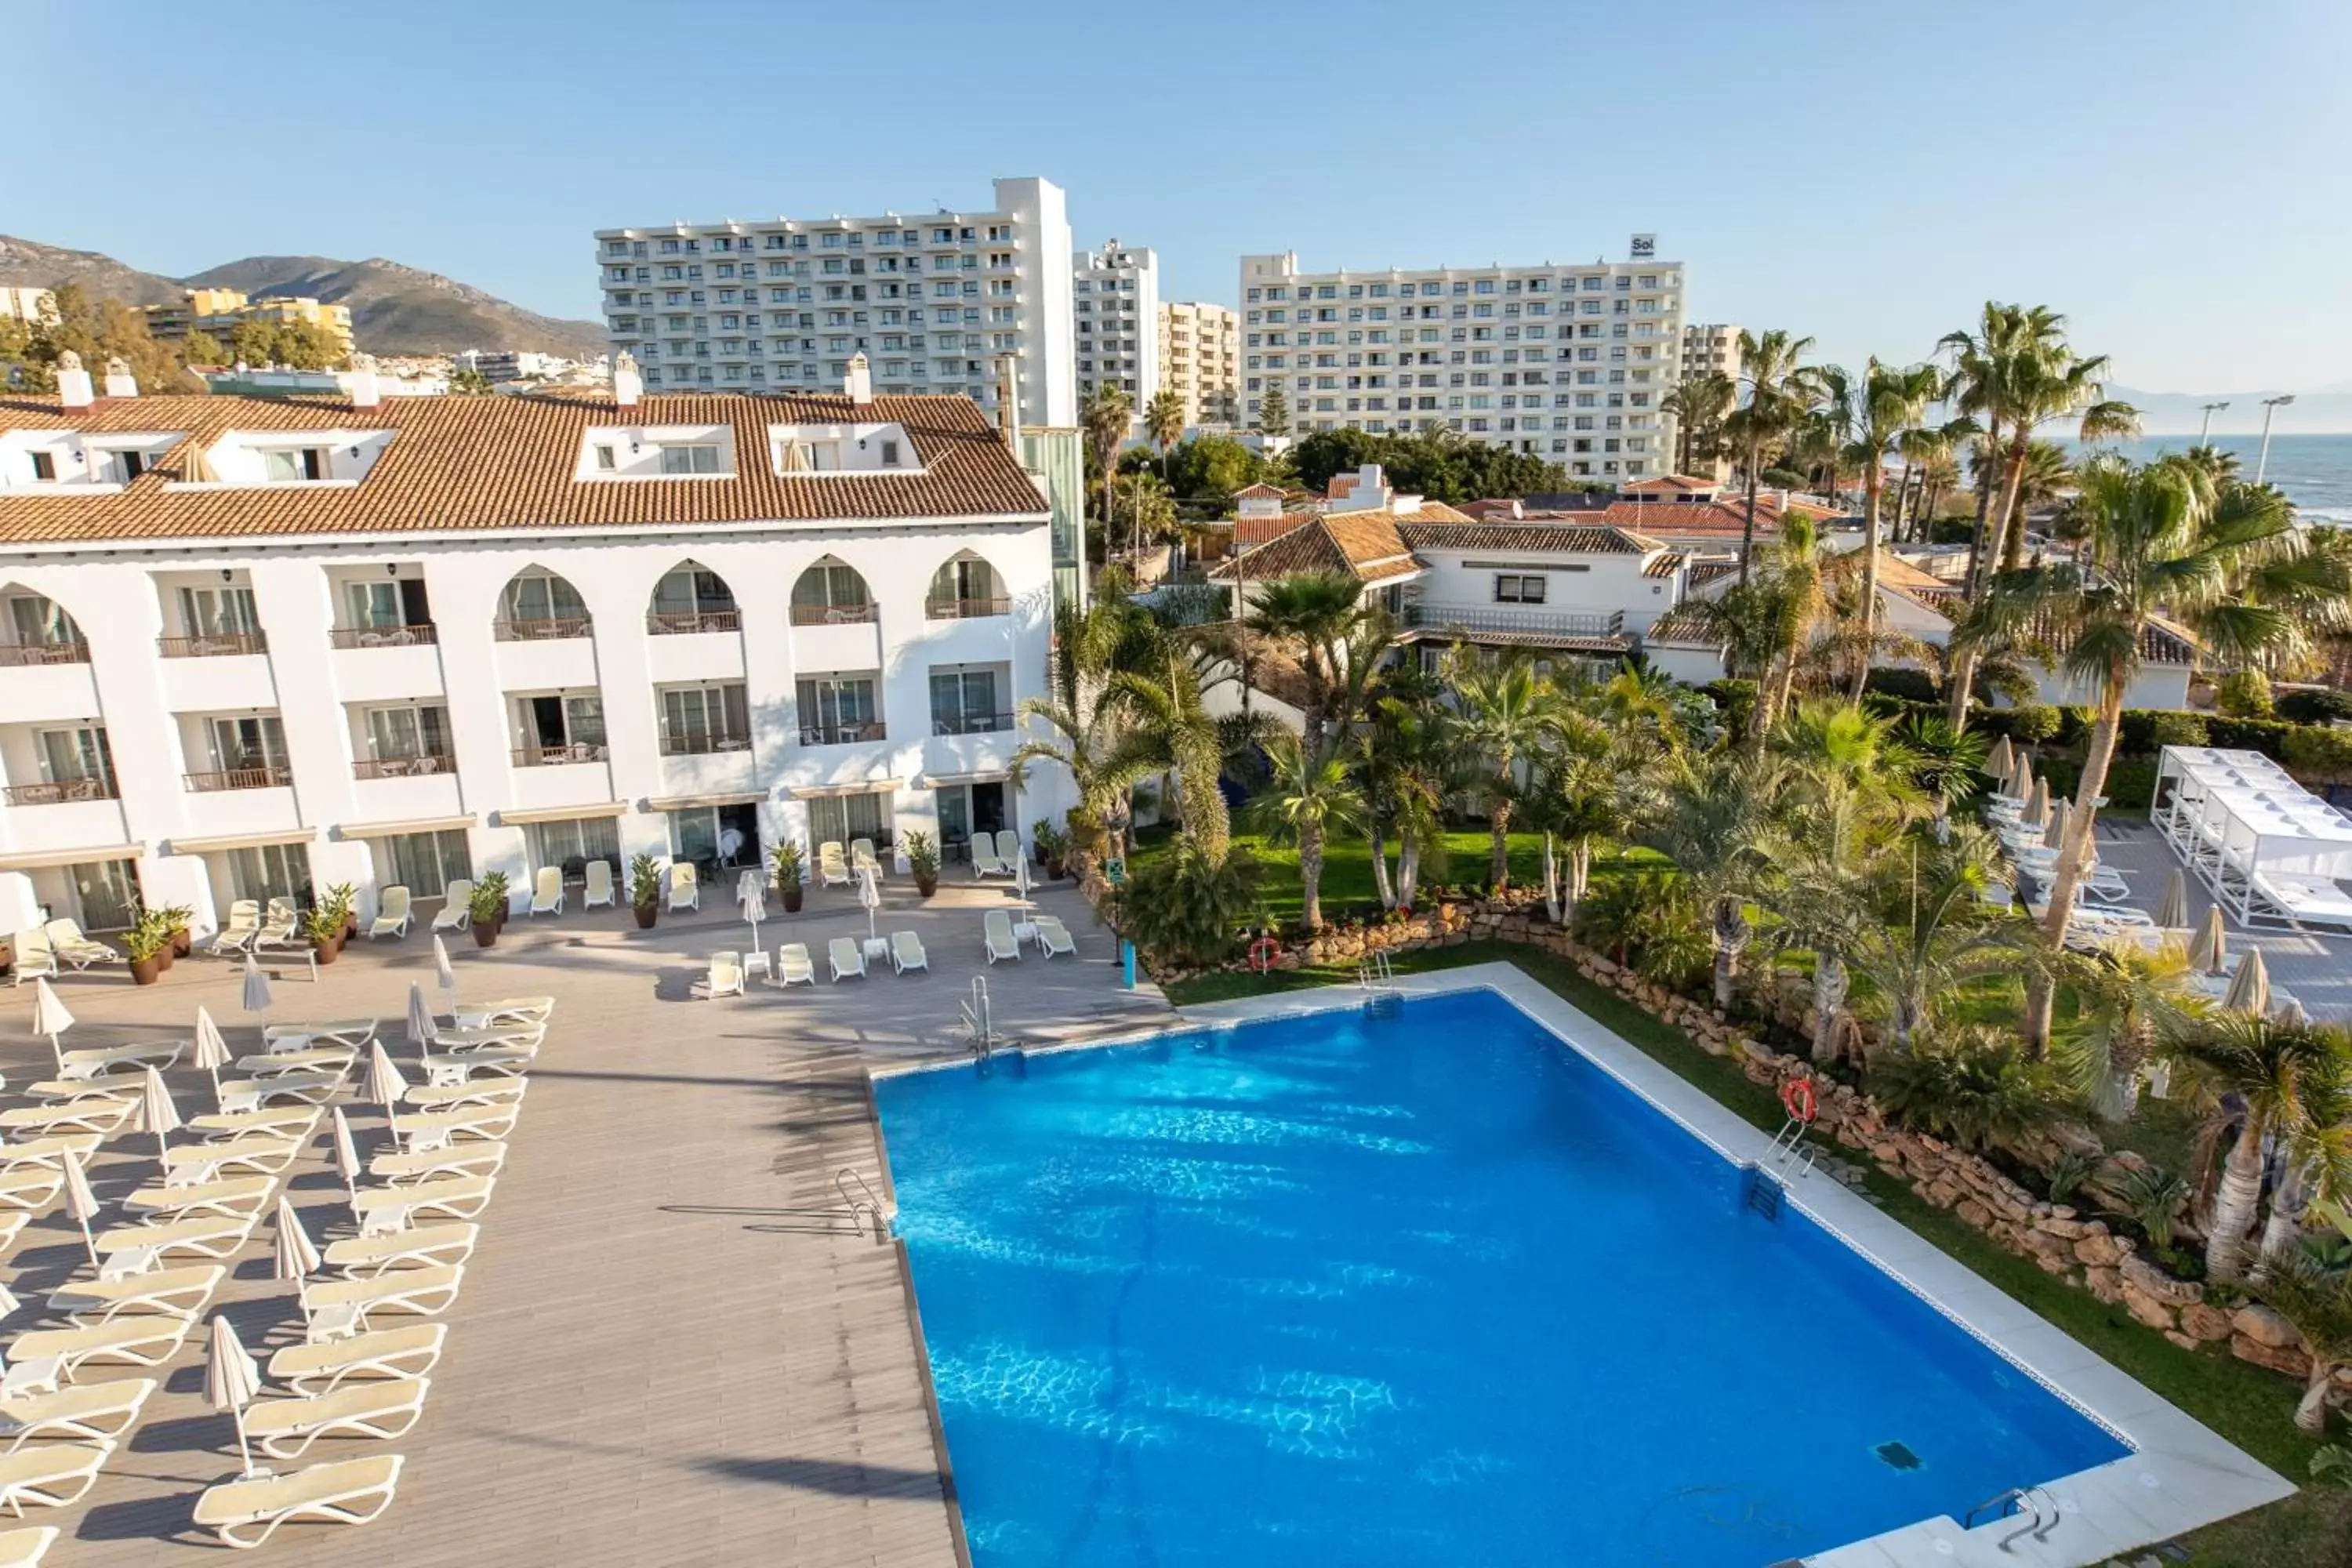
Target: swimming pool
(1428, 1289)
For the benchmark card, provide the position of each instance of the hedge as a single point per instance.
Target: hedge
(2315, 706)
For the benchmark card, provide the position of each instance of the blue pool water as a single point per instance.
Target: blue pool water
(1425, 1291)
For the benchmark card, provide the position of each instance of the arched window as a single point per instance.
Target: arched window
(965, 585)
(538, 604)
(691, 597)
(830, 592)
(35, 629)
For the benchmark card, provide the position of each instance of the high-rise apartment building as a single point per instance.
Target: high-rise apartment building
(1710, 348)
(933, 300)
(1199, 360)
(1568, 363)
(1117, 310)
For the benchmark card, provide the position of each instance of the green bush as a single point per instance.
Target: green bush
(2245, 694)
(1975, 1089)
(1735, 699)
(2267, 736)
(2319, 756)
(2316, 706)
(1182, 911)
(1911, 685)
(2032, 724)
(2074, 722)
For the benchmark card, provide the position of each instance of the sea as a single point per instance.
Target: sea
(2314, 472)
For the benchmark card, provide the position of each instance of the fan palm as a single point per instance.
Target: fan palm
(1876, 415)
(1780, 390)
(1505, 712)
(1411, 767)
(1105, 419)
(1310, 796)
(1699, 405)
(1311, 616)
(2268, 1077)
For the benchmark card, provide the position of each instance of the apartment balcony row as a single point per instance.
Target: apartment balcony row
(1490, 619)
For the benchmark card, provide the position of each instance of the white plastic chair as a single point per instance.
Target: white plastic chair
(794, 966)
(547, 892)
(996, 926)
(392, 915)
(456, 901)
(599, 892)
(726, 977)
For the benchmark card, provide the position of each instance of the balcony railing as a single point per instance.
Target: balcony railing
(970, 723)
(703, 745)
(684, 623)
(965, 609)
(61, 793)
(831, 615)
(421, 635)
(402, 767)
(560, 755)
(841, 734)
(545, 629)
(213, 645)
(269, 775)
(45, 653)
(1525, 623)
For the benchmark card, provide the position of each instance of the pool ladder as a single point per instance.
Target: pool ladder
(1373, 977)
(865, 1206)
(1789, 1154)
(979, 1020)
(2037, 1508)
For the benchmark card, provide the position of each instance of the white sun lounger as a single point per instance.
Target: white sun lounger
(427, 1246)
(459, 1067)
(140, 1340)
(392, 915)
(103, 1117)
(505, 1010)
(234, 1197)
(281, 927)
(278, 1089)
(457, 900)
(244, 925)
(725, 978)
(354, 1033)
(996, 927)
(310, 1058)
(409, 1351)
(12, 1225)
(256, 1153)
(285, 1428)
(985, 861)
(31, 1186)
(398, 1293)
(87, 1412)
(243, 1513)
(793, 965)
(547, 892)
(32, 959)
(861, 858)
(598, 893)
(1054, 937)
(47, 1152)
(380, 1209)
(907, 952)
(25, 1547)
(181, 1292)
(66, 941)
(685, 886)
(49, 1474)
(134, 1248)
(428, 1130)
(64, 1091)
(832, 865)
(458, 1159)
(847, 957)
(110, 1060)
(297, 1122)
(473, 1094)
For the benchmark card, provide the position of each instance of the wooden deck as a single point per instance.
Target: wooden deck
(675, 1343)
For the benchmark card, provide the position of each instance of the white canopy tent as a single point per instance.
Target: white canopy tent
(2272, 852)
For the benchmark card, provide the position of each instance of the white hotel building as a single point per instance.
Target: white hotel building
(932, 300)
(1117, 312)
(1569, 364)
(253, 648)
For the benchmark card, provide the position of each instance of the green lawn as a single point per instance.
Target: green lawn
(2251, 1407)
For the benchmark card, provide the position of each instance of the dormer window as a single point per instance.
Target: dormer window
(45, 465)
(289, 465)
(889, 454)
(121, 468)
(604, 463)
(690, 459)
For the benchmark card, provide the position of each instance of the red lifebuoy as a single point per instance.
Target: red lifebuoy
(1262, 953)
(1797, 1096)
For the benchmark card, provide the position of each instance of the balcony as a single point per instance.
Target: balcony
(691, 745)
(1532, 624)
(562, 756)
(965, 609)
(970, 723)
(269, 775)
(842, 734)
(833, 615)
(403, 767)
(64, 791)
(21, 653)
(685, 623)
(213, 645)
(548, 628)
(420, 635)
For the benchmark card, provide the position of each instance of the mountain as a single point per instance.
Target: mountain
(2326, 411)
(396, 309)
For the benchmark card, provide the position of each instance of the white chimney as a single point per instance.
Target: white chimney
(365, 389)
(860, 383)
(73, 382)
(628, 385)
(120, 382)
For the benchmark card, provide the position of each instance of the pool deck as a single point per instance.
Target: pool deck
(674, 1344)
(2181, 1475)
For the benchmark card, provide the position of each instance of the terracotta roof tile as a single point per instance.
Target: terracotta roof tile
(1363, 544)
(1574, 538)
(465, 463)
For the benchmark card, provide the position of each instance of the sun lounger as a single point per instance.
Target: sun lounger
(459, 1067)
(31, 1186)
(832, 866)
(425, 1247)
(244, 1513)
(458, 1159)
(354, 1033)
(429, 1130)
(46, 1153)
(49, 1474)
(793, 965)
(861, 858)
(255, 1153)
(996, 927)
(285, 1428)
(30, 958)
(598, 893)
(456, 901)
(181, 1292)
(505, 1010)
(409, 1351)
(847, 957)
(244, 925)
(985, 861)
(297, 1122)
(104, 1061)
(64, 1091)
(491, 1036)
(398, 1293)
(1054, 937)
(87, 1412)
(907, 952)
(473, 1094)
(278, 1089)
(25, 1547)
(66, 941)
(547, 892)
(103, 1117)
(279, 928)
(135, 1248)
(392, 915)
(236, 1198)
(1008, 848)
(141, 1340)
(685, 887)
(725, 979)
(310, 1058)
(12, 1225)
(380, 1209)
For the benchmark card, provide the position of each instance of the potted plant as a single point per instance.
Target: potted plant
(324, 926)
(1053, 848)
(175, 918)
(497, 882)
(344, 898)
(923, 861)
(484, 908)
(144, 944)
(644, 890)
(790, 869)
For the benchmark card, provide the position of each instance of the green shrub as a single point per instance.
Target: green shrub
(2151, 1199)
(1911, 685)
(645, 882)
(1735, 699)
(2319, 756)
(2074, 722)
(2245, 694)
(2315, 706)
(2032, 724)
(1974, 1089)
(2267, 736)
(1182, 911)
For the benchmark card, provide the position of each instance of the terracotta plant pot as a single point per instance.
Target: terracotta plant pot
(927, 886)
(351, 928)
(646, 915)
(792, 896)
(485, 932)
(164, 958)
(1056, 869)
(329, 951)
(147, 971)
(182, 944)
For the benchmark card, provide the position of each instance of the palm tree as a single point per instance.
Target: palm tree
(1168, 725)
(1104, 761)
(2130, 1000)
(1505, 712)
(1928, 451)
(1712, 820)
(1877, 415)
(2239, 574)
(1411, 767)
(1699, 405)
(1925, 933)
(1106, 419)
(1780, 392)
(2267, 1076)
(1163, 421)
(2317, 1299)
(1311, 796)
(1311, 615)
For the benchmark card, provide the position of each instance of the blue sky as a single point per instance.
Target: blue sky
(2171, 175)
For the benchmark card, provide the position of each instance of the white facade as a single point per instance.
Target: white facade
(1200, 361)
(932, 300)
(1568, 363)
(1117, 319)
(1710, 348)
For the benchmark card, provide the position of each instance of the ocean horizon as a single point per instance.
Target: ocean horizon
(2314, 471)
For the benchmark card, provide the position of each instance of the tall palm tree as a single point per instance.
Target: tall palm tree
(1169, 725)
(2267, 1076)
(1163, 421)
(2239, 574)
(1699, 407)
(1311, 616)
(1877, 413)
(2130, 1000)
(1310, 796)
(1712, 819)
(1928, 450)
(1780, 391)
(1412, 768)
(1939, 471)
(1505, 713)
(1924, 933)
(1105, 419)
